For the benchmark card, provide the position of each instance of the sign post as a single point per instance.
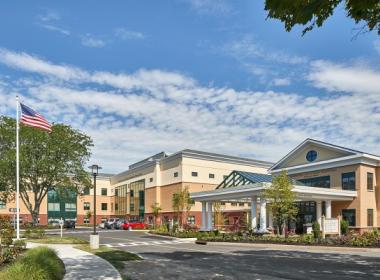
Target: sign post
(330, 226)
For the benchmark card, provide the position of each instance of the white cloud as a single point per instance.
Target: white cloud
(49, 16)
(89, 40)
(153, 110)
(56, 29)
(344, 78)
(282, 82)
(126, 34)
(214, 7)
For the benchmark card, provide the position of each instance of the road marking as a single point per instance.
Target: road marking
(146, 243)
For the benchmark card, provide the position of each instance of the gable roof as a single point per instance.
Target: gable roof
(350, 152)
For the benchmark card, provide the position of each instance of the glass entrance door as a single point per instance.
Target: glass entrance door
(306, 215)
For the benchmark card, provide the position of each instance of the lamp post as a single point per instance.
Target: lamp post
(94, 238)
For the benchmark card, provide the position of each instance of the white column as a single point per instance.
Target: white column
(263, 215)
(203, 226)
(253, 212)
(319, 212)
(328, 209)
(209, 216)
(270, 219)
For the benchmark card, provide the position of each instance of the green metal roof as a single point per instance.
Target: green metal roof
(239, 178)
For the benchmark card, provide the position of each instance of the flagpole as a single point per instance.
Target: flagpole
(17, 170)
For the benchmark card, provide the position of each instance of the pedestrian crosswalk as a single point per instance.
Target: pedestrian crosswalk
(150, 243)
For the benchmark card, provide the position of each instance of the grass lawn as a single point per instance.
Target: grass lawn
(53, 239)
(115, 256)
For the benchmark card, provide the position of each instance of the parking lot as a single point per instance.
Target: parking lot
(166, 258)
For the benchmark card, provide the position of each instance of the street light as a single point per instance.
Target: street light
(94, 238)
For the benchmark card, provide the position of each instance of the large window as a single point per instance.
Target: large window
(350, 216)
(137, 199)
(370, 181)
(319, 182)
(348, 181)
(86, 206)
(104, 191)
(194, 174)
(70, 207)
(104, 206)
(370, 217)
(3, 204)
(53, 207)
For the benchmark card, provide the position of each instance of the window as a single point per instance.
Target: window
(70, 207)
(175, 174)
(116, 206)
(116, 192)
(194, 174)
(211, 176)
(104, 191)
(191, 220)
(370, 217)
(223, 203)
(2, 204)
(350, 216)
(233, 204)
(53, 206)
(86, 220)
(311, 156)
(86, 206)
(131, 193)
(151, 180)
(369, 181)
(241, 204)
(319, 182)
(86, 191)
(348, 181)
(104, 206)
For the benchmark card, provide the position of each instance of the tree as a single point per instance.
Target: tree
(155, 211)
(315, 12)
(181, 202)
(219, 217)
(48, 161)
(281, 200)
(88, 215)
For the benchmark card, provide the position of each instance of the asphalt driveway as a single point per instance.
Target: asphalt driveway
(176, 259)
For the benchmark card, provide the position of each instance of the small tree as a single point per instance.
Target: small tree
(281, 198)
(219, 218)
(181, 202)
(88, 215)
(155, 211)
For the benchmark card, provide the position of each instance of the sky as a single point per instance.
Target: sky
(141, 77)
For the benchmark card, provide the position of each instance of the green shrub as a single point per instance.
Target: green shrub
(316, 230)
(27, 233)
(344, 227)
(38, 264)
(19, 244)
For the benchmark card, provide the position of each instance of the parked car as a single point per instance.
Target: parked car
(69, 224)
(134, 225)
(109, 224)
(102, 225)
(119, 224)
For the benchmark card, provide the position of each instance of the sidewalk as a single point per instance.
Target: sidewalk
(81, 265)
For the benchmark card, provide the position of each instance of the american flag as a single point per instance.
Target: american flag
(30, 117)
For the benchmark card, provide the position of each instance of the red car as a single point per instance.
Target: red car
(134, 225)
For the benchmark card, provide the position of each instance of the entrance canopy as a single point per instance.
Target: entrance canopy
(246, 192)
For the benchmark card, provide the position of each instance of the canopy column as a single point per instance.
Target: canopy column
(263, 215)
(253, 212)
(209, 216)
(319, 211)
(203, 226)
(328, 209)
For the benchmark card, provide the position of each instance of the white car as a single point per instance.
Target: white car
(102, 225)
